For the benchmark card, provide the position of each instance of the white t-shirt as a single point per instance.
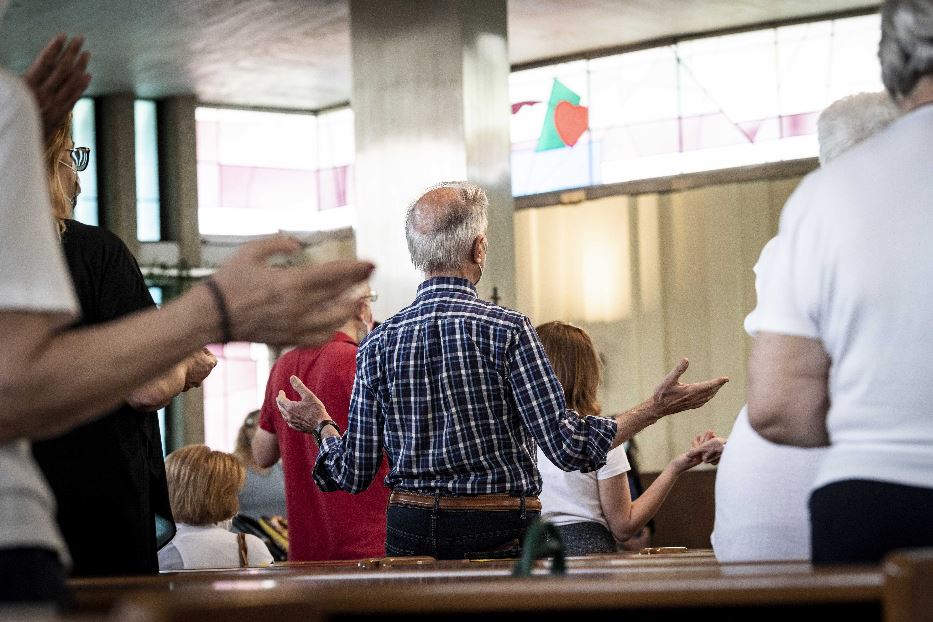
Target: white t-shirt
(33, 277)
(762, 488)
(762, 491)
(573, 497)
(210, 546)
(852, 266)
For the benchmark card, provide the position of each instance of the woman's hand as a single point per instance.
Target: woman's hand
(687, 460)
(706, 448)
(197, 367)
(713, 446)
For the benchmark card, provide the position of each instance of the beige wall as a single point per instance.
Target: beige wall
(654, 277)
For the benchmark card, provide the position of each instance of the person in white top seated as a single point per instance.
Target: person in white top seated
(593, 511)
(842, 353)
(762, 488)
(203, 486)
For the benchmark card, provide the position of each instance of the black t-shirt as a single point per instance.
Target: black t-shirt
(108, 476)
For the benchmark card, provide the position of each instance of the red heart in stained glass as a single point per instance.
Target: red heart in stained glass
(571, 121)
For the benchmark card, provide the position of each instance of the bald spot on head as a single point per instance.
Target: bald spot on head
(442, 226)
(436, 210)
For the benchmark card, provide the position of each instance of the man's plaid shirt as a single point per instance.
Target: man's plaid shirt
(458, 391)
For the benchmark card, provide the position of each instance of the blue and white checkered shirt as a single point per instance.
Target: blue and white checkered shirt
(459, 392)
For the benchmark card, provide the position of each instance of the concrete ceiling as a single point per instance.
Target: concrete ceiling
(296, 53)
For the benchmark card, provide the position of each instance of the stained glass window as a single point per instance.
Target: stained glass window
(700, 104)
(261, 172)
(233, 389)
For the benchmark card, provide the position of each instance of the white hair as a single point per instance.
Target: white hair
(850, 120)
(443, 239)
(906, 50)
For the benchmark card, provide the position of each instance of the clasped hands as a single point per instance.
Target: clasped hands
(706, 448)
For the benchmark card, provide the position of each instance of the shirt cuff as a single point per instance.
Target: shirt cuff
(321, 471)
(780, 324)
(600, 433)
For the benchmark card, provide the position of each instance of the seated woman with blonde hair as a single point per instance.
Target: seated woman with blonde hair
(593, 511)
(203, 486)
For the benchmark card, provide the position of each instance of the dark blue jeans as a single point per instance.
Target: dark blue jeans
(455, 534)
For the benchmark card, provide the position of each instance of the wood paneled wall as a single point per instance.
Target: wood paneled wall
(654, 277)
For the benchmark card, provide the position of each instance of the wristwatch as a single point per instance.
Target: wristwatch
(320, 428)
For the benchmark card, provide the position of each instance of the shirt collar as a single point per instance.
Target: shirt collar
(342, 336)
(441, 285)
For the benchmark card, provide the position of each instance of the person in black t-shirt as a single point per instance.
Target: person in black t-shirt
(108, 476)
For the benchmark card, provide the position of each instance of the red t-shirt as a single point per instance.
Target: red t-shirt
(323, 525)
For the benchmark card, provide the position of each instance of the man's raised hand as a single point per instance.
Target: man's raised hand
(298, 305)
(673, 396)
(307, 413)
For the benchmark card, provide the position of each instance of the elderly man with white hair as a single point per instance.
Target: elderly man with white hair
(459, 392)
(843, 337)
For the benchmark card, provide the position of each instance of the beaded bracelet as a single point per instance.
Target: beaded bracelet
(221, 308)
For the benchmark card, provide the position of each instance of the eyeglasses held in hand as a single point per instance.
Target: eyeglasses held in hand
(80, 156)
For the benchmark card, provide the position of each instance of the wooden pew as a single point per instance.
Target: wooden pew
(908, 586)
(662, 595)
(662, 587)
(99, 594)
(693, 495)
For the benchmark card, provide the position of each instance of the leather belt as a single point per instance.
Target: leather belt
(490, 503)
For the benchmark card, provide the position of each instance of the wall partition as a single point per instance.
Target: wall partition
(655, 276)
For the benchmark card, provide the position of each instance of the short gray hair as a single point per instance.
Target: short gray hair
(906, 50)
(850, 120)
(444, 239)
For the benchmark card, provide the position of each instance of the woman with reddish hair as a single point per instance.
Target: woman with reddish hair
(593, 511)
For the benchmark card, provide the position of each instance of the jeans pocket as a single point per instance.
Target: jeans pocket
(401, 543)
(511, 549)
(396, 551)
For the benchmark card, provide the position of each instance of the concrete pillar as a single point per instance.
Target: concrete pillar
(430, 103)
(178, 198)
(178, 176)
(116, 165)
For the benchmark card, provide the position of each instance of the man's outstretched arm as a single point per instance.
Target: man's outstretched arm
(671, 396)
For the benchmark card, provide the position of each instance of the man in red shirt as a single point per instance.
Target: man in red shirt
(322, 526)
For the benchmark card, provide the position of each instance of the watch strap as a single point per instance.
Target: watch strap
(320, 428)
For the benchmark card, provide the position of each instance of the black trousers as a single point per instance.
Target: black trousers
(860, 521)
(32, 575)
(586, 538)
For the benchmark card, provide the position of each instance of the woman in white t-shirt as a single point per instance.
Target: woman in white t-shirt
(843, 341)
(203, 486)
(762, 488)
(592, 511)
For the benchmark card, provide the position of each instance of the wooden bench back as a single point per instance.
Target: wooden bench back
(908, 586)
(602, 587)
